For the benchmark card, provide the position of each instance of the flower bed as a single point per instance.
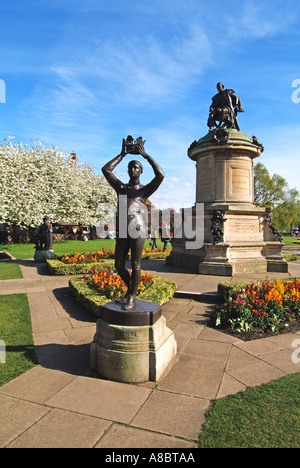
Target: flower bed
(83, 258)
(100, 255)
(92, 292)
(77, 263)
(259, 309)
(109, 284)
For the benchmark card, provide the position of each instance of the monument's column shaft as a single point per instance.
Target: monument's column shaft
(220, 161)
(225, 172)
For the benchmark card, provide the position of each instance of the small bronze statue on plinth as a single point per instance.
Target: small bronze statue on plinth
(43, 242)
(224, 108)
(44, 238)
(136, 227)
(132, 342)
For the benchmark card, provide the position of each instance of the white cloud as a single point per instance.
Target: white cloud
(255, 20)
(147, 70)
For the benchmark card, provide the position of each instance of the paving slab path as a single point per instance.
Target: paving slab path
(61, 403)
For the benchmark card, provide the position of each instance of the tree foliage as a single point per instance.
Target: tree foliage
(38, 181)
(274, 192)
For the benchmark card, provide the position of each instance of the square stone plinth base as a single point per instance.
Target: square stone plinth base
(132, 354)
(229, 259)
(41, 256)
(238, 239)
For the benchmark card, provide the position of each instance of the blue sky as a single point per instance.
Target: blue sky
(84, 74)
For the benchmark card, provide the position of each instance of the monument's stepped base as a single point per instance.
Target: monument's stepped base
(238, 235)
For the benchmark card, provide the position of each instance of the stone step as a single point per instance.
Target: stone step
(207, 297)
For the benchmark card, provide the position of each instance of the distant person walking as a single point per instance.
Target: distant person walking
(165, 236)
(154, 236)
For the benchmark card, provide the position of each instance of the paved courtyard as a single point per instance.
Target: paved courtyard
(61, 403)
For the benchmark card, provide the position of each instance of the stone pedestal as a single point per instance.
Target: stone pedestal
(237, 234)
(41, 256)
(132, 346)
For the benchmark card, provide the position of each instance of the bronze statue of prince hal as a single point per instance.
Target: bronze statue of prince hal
(136, 195)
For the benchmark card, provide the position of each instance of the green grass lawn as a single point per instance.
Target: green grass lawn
(10, 271)
(19, 251)
(267, 416)
(25, 251)
(16, 332)
(291, 241)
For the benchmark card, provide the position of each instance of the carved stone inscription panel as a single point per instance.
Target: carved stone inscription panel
(245, 225)
(243, 228)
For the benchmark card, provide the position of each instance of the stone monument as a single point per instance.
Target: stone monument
(239, 236)
(132, 343)
(43, 242)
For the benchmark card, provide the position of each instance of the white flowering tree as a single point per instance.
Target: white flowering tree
(38, 181)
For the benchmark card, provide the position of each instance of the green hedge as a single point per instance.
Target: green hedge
(161, 291)
(225, 290)
(56, 267)
(155, 255)
(290, 257)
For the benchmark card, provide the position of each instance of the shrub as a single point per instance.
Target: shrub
(160, 291)
(56, 267)
(290, 257)
(149, 254)
(265, 306)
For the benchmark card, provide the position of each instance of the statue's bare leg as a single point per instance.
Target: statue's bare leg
(121, 252)
(137, 246)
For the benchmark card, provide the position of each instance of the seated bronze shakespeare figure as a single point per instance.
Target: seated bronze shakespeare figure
(224, 108)
(136, 195)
